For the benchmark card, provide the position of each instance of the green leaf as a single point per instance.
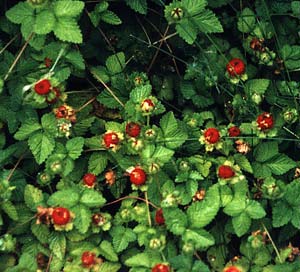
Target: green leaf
(82, 126)
(208, 22)
(20, 12)
(255, 210)
(116, 63)
(258, 86)
(97, 163)
(110, 18)
(194, 6)
(292, 193)
(9, 208)
(175, 220)
(281, 164)
(100, 72)
(41, 232)
(58, 244)
(266, 150)
(44, 22)
(246, 21)
(30, 126)
(243, 162)
(139, 6)
(67, 30)
(92, 198)
(202, 213)
(76, 59)
(141, 92)
(109, 267)
(33, 197)
(49, 124)
(235, 207)
(41, 146)
(140, 259)
(241, 224)
(187, 31)
(75, 147)
(66, 198)
(261, 170)
(173, 136)
(295, 7)
(122, 237)
(282, 213)
(291, 56)
(296, 218)
(107, 251)
(201, 239)
(83, 218)
(157, 154)
(66, 8)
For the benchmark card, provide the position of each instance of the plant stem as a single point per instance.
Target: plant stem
(8, 44)
(148, 210)
(18, 56)
(132, 197)
(272, 242)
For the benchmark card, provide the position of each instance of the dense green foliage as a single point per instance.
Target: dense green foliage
(137, 133)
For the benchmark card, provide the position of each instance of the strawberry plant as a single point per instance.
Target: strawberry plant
(149, 135)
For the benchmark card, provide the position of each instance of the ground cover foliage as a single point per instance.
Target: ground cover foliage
(149, 136)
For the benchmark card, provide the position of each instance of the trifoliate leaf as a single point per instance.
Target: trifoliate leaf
(235, 207)
(292, 193)
(201, 239)
(66, 8)
(9, 208)
(67, 30)
(280, 164)
(208, 22)
(41, 232)
(49, 124)
(76, 59)
(265, 151)
(111, 18)
(109, 267)
(176, 220)
(97, 163)
(258, 86)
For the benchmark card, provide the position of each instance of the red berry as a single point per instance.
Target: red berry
(235, 67)
(212, 135)
(137, 176)
(110, 139)
(61, 216)
(234, 131)
(161, 268)
(88, 259)
(225, 172)
(89, 179)
(159, 217)
(133, 129)
(265, 121)
(42, 87)
(48, 62)
(231, 269)
(147, 105)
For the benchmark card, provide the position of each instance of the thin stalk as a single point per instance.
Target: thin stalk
(148, 210)
(8, 44)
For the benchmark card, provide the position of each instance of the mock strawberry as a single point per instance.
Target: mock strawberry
(147, 105)
(110, 139)
(161, 268)
(133, 129)
(234, 131)
(265, 121)
(212, 135)
(159, 217)
(137, 176)
(61, 216)
(42, 87)
(88, 259)
(89, 180)
(231, 269)
(48, 62)
(225, 172)
(235, 67)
